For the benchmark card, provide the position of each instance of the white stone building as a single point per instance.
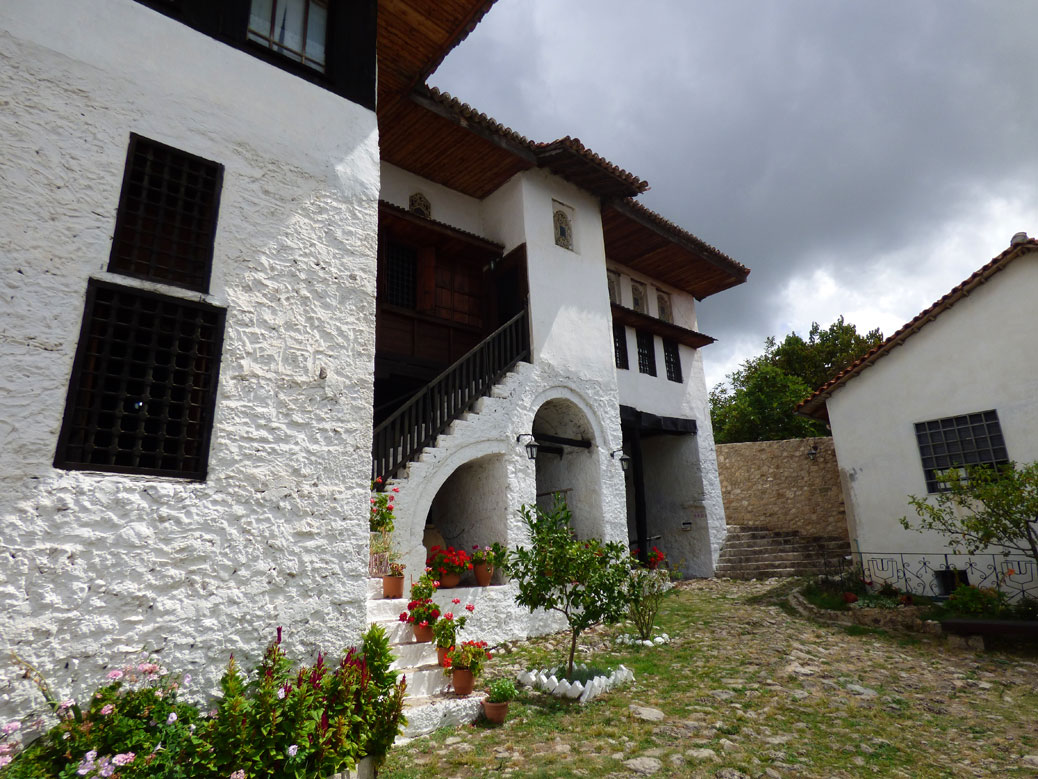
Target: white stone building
(955, 386)
(222, 265)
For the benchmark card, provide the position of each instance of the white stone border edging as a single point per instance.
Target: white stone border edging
(547, 682)
(629, 640)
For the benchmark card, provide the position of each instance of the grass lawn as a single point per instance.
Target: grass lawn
(748, 688)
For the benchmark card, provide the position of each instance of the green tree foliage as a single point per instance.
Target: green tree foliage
(759, 402)
(585, 581)
(984, 506)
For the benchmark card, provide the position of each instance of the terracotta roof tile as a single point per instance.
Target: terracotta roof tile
(814, 406)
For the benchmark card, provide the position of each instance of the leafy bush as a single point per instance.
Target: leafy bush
(585, 581)
(280, 722)
(968, 600)
(381, 519)
(502, 691)
(644, 596)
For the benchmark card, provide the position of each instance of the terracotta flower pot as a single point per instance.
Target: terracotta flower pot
(495, 712)
(449, 580)
(422, 635)
(483, 573)
(441, 655)
(392, 586)
(463, 681)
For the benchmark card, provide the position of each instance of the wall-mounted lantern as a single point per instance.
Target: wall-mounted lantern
(812, 453)
(625, 460)
(531, 446)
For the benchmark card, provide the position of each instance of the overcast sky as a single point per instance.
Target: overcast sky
(862, 158)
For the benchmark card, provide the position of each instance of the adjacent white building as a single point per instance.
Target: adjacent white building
(223, 268)
(955, 386)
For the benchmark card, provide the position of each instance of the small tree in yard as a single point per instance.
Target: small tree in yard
(585, 581)
(983, 506)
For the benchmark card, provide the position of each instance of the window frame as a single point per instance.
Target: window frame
(672, 361)
(620, 353)
(639, 291)
(646, 352)
(935, 433)
(206, 422)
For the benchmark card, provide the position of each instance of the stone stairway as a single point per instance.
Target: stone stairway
(429, 702)
(759, 553)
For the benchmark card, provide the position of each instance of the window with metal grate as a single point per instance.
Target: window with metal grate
(166, 222)
(646, 353)
(143, 388)
(620, 346)
(956, 442)
(401, 276)
(672, 360)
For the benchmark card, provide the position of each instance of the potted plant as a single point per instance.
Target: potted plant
(464, 663)
(380, 523)
(485, 559)
(393, 582)
(495, 705)
(422, 612)
(445, 630)
(448, 564)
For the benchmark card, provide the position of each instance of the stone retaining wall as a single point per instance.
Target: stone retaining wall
(776, 485)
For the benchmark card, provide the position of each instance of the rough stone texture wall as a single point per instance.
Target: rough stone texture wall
(96, 567)
(774, 484)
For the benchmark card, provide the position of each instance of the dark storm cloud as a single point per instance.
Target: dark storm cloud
(791, 134)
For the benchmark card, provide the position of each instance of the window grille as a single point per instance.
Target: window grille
(646, 353)
(672, 360)
(166, 222)
(639, 297)
(955, 442)
(562, 220)
(620, 346)
(143, 388)
(401, 276)
(296, 29)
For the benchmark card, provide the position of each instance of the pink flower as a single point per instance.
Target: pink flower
(239, 774)
(107, 709)
(171, 718)
(424, 623)
(11, 727)
(469, 607)
(448, 616)
(115, 675)
(455, 601)
(124, 759)
(436, 583)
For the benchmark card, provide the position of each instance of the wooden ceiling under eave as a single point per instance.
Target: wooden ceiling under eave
(415, 35)
(632, 238)
(426, 143)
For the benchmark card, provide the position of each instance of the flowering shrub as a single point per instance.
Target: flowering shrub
(281, 722)
(449, 560)
(445, 629)
(470, 656)
(494, 555)
(421, 610)
(381, 520)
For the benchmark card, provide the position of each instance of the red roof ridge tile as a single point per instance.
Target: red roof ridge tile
(814, 404)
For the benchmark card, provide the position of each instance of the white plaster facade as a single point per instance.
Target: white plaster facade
(977, 355)
(96, 566)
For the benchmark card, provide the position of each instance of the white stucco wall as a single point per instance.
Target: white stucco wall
(96, 566)
(981, 354)
(694, 551)
(447, 205)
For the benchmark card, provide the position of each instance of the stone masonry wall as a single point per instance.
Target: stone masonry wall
(774, 484)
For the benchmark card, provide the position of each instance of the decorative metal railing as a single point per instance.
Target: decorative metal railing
(934, 573)
(416, 424)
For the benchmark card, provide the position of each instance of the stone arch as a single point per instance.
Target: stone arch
(571, 470)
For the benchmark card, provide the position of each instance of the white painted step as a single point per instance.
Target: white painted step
(398, 632)
(425, 681)
(413, 655)
(424, 715)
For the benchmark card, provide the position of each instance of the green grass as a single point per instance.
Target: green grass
(734, 639)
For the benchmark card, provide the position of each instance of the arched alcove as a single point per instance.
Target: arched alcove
(567, 463)
(471, 507)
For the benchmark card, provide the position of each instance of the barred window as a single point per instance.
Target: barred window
(672, 360)
(639, 297)
(620, 346)
(166, 222)
(143, 388)
(956, 442)
(613, 279)
(296, 29)
(646, 353)
(401, 276)
(663, 310)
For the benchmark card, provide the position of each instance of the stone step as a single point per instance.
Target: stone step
(424, 715)
(397, 631)
(413, 655)
(767, 573)
(794, 542)
(425, 681)
(734, 558)
(743, 532)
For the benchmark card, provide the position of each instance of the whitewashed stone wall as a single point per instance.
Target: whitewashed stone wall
(98, 566)
(694, 491)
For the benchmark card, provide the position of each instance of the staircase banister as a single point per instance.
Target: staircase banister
(447, 372)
